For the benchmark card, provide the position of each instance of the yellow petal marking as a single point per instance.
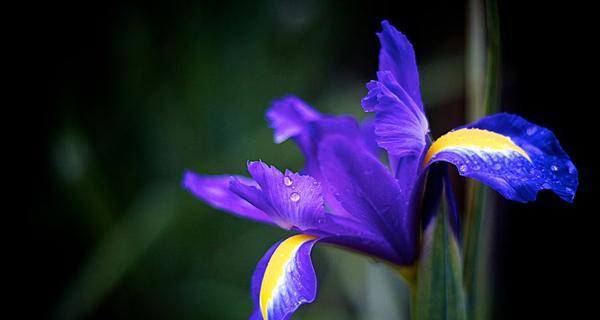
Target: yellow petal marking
(276, 267)
(473, 139)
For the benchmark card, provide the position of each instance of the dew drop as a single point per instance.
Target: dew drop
(497, 166)
(572, 168)
(546, 185)
(531, 131)
(569, 190)
(554, 168)
(476, 167)
(287, 181)
(519, 170)
(295, 196)
(462, 168)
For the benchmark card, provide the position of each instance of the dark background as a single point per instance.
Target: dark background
(119, 98)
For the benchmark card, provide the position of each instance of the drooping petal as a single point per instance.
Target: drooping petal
(214, 190)
(368, 192)
(398, 56)
(291, 200)
(284, 279)
(367, 128)
(511, 155)
(355, 235)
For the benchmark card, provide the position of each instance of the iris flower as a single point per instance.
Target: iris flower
(347, 196)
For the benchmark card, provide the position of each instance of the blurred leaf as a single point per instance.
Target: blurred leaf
(118, 251)
(440, 293)
(484, 99)
(387, 294)
(477, 244)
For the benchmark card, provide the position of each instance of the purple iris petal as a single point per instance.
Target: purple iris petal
(400, 127)
(453, 214)
(290, 117)
(540, 163)
(367, 128)
(400, 131)
(257, 278)
(290, 199)
(367, 191)
(438, 183)
(398, 56)
(355, 235)
(284, 279)
(215, 191)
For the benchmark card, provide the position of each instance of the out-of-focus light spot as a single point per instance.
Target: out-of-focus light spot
(70, 156)
(295, 16)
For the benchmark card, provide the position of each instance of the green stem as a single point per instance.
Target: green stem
(478, 222)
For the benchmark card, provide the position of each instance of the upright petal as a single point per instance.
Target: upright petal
(398, 56)
(367, 191)
(215, 191)
(284, 279)
(293, 118)
(511, 155)
(291, 200)
(288, 117)
(401, 126)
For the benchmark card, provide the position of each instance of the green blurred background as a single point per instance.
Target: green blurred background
(136, 92)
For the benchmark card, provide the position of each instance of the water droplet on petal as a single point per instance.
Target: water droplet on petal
(531, 131)
(287, 181)
(546, 185)
(462, 168)
(572, 168)
(476, 167)
(554, 168)
(295, 196)
(569, 190)
(497, 166)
